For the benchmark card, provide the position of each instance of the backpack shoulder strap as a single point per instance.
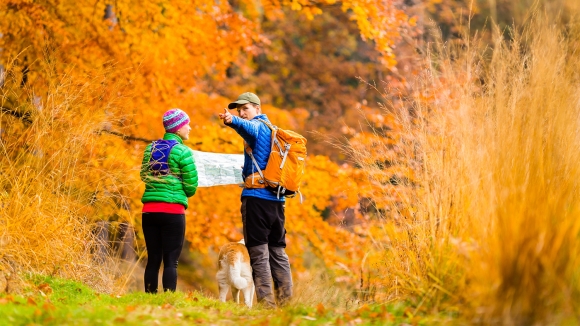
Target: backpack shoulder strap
(274, 130)
(268, 123)
(248, 150)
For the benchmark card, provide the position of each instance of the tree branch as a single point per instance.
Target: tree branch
(133, 138)
(225, 141)
(127, 137)
(26, 118)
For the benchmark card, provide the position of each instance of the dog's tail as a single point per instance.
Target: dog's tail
(236, 273)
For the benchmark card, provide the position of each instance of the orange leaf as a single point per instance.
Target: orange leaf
(47, 306)
(320, 309)
(45, 288)
(7, 299)
(31, 301)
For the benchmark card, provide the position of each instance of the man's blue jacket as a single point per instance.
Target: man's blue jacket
(259, 137)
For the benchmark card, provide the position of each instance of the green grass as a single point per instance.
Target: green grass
(53, 301)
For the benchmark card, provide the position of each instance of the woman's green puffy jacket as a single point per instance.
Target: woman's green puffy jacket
(169, 188)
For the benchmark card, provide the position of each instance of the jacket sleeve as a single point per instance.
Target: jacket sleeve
(249, 130)
(188, 172)
(144, 173)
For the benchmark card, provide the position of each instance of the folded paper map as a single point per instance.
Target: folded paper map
(215, 169)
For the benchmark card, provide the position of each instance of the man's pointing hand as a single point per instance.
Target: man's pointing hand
(226, 116)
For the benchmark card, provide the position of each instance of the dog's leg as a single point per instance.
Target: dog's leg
(236, 294)
(222, 285)
(223, 291)
(249, 294)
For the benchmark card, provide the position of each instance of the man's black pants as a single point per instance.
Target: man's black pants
(265, 238)
(263, 222)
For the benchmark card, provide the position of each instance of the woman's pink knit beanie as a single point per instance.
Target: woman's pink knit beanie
(174, 119)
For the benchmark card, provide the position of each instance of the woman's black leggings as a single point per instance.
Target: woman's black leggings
(164, 235)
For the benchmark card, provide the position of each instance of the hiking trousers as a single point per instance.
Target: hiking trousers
(265, 238)
(164, 235)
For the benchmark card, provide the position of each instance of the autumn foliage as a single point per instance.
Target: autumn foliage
(442, 165)
(84, 86)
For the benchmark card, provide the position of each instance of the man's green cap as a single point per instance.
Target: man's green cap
(245, 99)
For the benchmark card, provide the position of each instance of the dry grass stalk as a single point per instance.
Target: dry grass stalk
(494, 229)
(50, 189)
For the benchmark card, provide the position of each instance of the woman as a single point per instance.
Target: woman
(170, 177)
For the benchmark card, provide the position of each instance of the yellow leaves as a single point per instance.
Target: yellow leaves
(310, 12)
(377, 21)
(295, 5)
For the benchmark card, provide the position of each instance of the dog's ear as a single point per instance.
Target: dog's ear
(242, 242)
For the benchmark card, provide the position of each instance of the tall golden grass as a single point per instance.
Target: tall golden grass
(53, 176)
(494, 229)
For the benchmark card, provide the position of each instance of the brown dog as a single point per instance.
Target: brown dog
(234, 271)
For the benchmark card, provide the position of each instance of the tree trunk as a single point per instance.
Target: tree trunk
(102, 233)
(125, 242)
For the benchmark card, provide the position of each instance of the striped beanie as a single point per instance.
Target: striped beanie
(174, 119)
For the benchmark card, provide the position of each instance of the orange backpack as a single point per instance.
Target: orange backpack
(285, 167)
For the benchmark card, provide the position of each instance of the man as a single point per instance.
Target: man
(262, 211)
